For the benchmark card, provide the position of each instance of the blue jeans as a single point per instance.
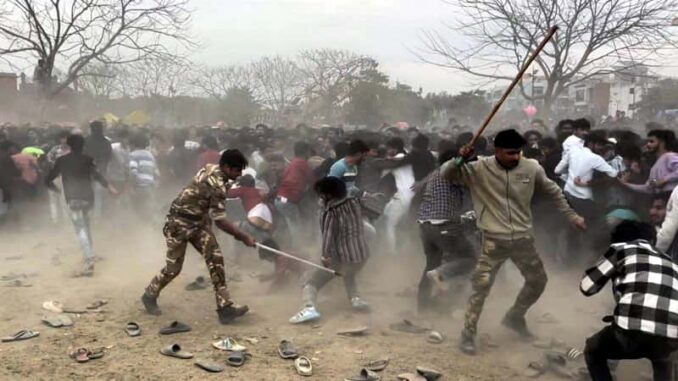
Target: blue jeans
(79, 213)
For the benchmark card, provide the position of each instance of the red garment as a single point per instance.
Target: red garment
(250, 196)
(298, 176)
(210, 156)
(28, 165)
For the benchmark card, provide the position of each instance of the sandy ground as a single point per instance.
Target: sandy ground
(131, 256)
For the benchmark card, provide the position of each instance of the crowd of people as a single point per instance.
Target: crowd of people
(475, 203)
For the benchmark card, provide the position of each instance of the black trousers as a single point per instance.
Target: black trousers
(448, 250)
(614, 343)
(580, 244)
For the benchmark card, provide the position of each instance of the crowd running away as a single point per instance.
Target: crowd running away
(472, 203)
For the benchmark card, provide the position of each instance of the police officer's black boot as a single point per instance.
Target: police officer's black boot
(518, 324)
(467, 344)
(151, 304)
(228, 313)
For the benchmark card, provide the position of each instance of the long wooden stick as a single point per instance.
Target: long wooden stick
(295, 258)
(513, 84)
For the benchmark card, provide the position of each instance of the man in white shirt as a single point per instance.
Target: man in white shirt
(580, 166)
(582, 128)
(667, 239)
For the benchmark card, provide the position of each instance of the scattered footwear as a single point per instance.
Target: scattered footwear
(54, 306)
(96, 353)
(437, 285)
(435, 337)
(97, 304)
(305, 315)
(377, 365)
(18, 283)
(150, 304)
(287, 350)
(574, 354)
(175, 327)
(428, 373)
(57, 321)
(303, 366)
(24, 334)
(237, 358)
(517, 324)
(200, 283)
(227, 314)
(133, 329)
(359, 305)
(352, 332)
(175, 350)
(410, 377)
(408, 327)
(209, 366)
(80, 355)
(467, 345)
(534, 369)
(229, 344)
(365, 375)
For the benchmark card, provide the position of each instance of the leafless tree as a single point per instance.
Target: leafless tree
(279, 81)
(99, 80)
(72, 34)
(217, 81)
(331, 75)
(493, 39)
(155, 77)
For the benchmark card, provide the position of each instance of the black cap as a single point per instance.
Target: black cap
(509, 139)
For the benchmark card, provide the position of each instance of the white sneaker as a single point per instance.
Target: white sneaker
(306, 314)
(359, 304)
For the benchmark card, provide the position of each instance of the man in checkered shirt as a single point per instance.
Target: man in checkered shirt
(645, 286)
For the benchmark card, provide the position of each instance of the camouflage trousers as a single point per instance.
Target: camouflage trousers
(178, 235)
(494, 253)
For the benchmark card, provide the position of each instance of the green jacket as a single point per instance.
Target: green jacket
(502, 198)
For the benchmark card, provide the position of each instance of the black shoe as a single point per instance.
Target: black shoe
(467, 345)
(227, 314)
(517, 324)
(151, 304)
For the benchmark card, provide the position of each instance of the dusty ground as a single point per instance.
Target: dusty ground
(132, 256)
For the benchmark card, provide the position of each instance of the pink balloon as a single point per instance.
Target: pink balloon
(530, 111)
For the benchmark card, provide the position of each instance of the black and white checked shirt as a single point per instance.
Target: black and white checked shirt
(645, 286)
(441, 200)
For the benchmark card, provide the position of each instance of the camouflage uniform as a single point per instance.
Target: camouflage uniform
(190, 221)
(494, 253)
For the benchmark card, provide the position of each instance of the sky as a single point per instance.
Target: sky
(233, 31)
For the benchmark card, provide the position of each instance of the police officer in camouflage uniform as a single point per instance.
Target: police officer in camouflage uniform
(502, 187)
(190, 221)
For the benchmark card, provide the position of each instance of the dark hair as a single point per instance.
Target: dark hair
(210, 142)
(668, 137)
(246, 181)
(532, 153)
(356, 147)
(529, 133)
(331, 186)
(664, 196)
(628, 231)
(446, 156)
(76, 142)
(420, 142)
(582, 124)
(548, 142)
(233, 158)
(594, 139)
(341, 149)
(396, 143)
(139, 141)
(97, 127)
(464, 138)
(62, 134)
(301, 148)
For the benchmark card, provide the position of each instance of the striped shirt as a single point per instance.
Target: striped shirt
(645, 286)
(343, 234)
(142, 167)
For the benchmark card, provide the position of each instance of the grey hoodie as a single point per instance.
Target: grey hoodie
(502, 198)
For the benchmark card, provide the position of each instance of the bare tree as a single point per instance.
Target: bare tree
(72, 34)
(99, 80)
(280, 82)
(217, 81)
(331, 75)
(596, 37)
(155, 77)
